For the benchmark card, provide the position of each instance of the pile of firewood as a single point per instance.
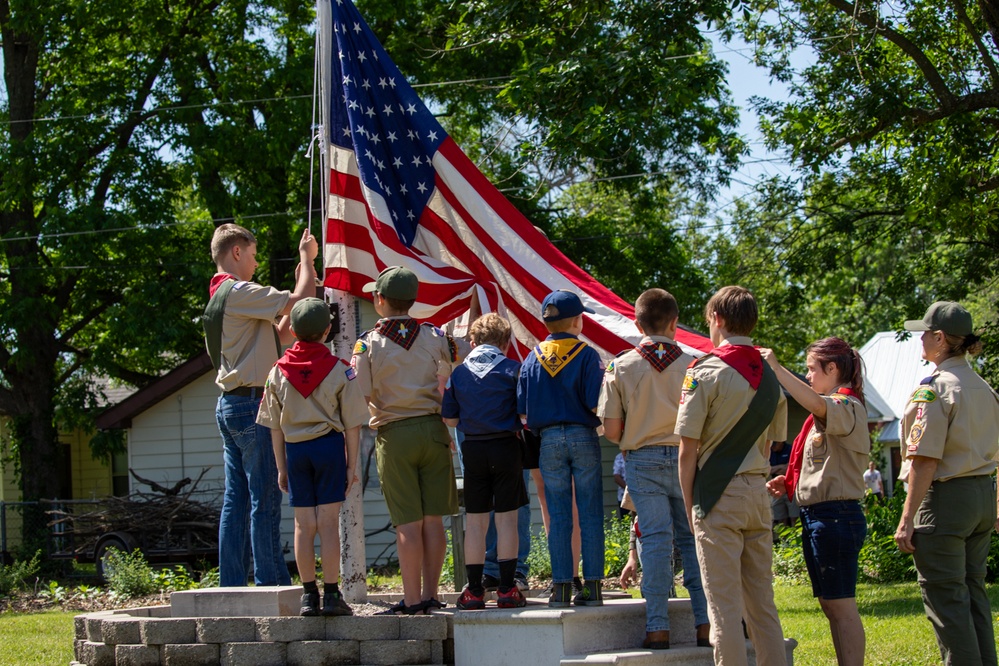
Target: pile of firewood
(164, 519)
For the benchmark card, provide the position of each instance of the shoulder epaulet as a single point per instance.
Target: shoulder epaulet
(623, 352)
(927, 381)
(439, 332)
(698, 360)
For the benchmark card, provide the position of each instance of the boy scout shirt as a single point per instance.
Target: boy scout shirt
(402, 383)
(647, 400)
(567, 398)
(337, 404)
(836, 453)
(953, 416)
(248, 338)
(713, 398)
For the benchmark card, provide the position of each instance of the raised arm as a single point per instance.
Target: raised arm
(799, 390)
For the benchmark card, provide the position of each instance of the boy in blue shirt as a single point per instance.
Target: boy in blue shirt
(481, 401)
(558, 391)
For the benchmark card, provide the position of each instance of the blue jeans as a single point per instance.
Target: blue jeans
(491, 567)
(570, 456)
(832, 534)
(653, 475)
(523, 540)
(252, 497)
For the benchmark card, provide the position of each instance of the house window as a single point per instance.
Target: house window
(119, 474)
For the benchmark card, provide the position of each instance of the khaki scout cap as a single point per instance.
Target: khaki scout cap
(395, 282)
(310, 317)
(945, 316)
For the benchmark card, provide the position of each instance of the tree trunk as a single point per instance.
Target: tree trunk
(990, 12)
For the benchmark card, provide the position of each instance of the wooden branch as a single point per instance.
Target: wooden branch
(990, 64)
(929, 70)
(169, 492)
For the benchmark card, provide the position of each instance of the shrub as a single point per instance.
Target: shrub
(538, 561)
(880, 559)
(128, 574)
(14, 576)
(617, 535)
(789, 560)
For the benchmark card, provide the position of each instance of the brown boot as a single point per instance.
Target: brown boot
(703, 635)
(656, 640)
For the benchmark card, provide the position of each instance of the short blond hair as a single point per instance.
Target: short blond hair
(560, 326)
(227, 236)
(490, 329)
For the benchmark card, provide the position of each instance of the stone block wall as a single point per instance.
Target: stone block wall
(149, 637)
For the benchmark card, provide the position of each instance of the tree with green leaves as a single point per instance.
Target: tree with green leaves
(126, 129)
(892, 127)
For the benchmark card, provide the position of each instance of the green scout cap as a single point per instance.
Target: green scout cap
(310, 317)
(395, 282)
(945, 316)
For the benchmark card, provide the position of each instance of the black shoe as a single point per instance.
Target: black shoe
(561, 596)
(547, 592)
(590, 595)
(310, 604)
(333, 604)
(489, 583)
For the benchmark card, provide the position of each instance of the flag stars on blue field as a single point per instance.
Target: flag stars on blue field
(378, 108)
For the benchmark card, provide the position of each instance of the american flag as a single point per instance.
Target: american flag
(401, 192)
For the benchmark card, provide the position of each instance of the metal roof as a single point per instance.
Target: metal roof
(893, 369)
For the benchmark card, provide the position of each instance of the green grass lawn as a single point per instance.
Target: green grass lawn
(897, 631)
(36, 639)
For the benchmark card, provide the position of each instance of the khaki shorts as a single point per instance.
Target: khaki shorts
(415, 470)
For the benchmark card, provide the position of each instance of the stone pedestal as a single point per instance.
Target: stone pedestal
(276, 601)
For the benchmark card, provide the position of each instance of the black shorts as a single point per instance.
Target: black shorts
(494, 475)
(531, 447)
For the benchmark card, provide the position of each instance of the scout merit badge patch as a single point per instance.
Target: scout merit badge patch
(915, 434)
(556, 354)
(923, 395)
(689, 384)
(403, 332)
(360, 347)
(659, 354)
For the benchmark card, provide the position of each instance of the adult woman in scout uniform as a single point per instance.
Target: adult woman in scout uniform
(825, 475)
(951, 431)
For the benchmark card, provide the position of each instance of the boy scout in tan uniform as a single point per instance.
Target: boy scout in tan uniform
(314, 411)
(638, 405)
(243, 343)
(401, 366)
(734, 538)
(951, 431)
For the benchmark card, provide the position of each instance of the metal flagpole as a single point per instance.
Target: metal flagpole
(353, 559)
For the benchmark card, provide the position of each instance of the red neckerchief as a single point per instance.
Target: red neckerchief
(217, 280)
(744, 359)
(403, 332)
(659, 354)
(306, 365)
(793, 472)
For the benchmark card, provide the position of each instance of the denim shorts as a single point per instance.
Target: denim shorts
(317, 470)
(832, 534)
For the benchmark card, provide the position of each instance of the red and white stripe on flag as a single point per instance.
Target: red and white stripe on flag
(401, 192)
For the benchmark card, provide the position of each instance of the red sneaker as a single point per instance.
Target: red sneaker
(470, 600)
(512, 598)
